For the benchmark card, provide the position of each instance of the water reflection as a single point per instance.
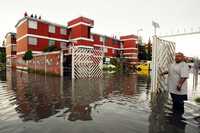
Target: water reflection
(2, 75)
(117, 103)
(164, 120)
(38, 96)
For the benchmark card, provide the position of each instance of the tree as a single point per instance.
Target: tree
(149, 50)
(28, 55)
(141, 52)
(50, 48)
(2, 57)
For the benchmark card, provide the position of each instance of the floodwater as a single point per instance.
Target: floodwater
(31, 103)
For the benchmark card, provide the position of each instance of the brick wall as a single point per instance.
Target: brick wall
(47, 62)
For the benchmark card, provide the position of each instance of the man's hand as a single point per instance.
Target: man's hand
(164, 73)
(180, 83)
(178, 87)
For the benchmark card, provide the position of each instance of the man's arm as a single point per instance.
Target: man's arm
(180, 83)
(164, 73)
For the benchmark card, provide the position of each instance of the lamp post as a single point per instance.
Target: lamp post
(155, 25)
(138, 35)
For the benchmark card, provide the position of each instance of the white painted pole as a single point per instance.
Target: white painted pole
(72, 50)
(45, 64)
(61, 63)
(153, 76)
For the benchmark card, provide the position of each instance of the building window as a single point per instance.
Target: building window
(52, 42)
(113, 51)
(92, 37)
(102, 39)
(63, 31)
(32, 24)
(105, 50)
(32, 41)
(13, 47)
(63, 45)
(52, 29)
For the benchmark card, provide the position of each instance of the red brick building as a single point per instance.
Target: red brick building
(36, 34)
(10, 44)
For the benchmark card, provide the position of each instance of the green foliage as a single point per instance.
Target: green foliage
(110, 69)
(2, 57)
(116, 63)
(197, 100)
(144, 54)
(28, 55)
(51, 48)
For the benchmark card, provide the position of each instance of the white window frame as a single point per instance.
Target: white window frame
(101, 39)
(113, 51)
(32, 24)
(63, 45)
(52, 29)
(92, 37)
(32, 41)
(14, 48)
(105, 50)
(51, 43)
(63, 31)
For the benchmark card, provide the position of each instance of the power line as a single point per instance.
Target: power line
(180, 34)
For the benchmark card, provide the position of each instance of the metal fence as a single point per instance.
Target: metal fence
(86, 63)
(163, 53)
(195, 72)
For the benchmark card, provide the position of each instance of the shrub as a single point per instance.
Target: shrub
(51, 48)
(197, 100)
(28, 55)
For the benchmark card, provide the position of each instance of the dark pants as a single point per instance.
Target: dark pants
(178, 103)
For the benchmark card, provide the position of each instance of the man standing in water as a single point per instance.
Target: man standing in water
(178, 73)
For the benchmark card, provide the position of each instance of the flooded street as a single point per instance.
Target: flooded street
(31, 103)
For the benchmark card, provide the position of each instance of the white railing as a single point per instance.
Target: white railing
(163, 53)
(86, 63)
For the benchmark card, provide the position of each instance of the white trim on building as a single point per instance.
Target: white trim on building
(80, 23)
(129, 39)
(9, 45)
(103, 46)
(130, 53)
(42, 37)
(34, 52)
(80, 38)
(129, 48)
(131, 57)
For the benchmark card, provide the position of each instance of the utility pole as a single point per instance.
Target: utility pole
(155, 25)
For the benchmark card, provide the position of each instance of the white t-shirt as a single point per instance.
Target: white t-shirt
(175, 73)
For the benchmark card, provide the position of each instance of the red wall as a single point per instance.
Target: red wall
(52, 62)
(22, 45)
(81, 19)
(22, 29)
(43, 30)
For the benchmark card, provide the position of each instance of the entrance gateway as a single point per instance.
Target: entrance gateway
(163, 54)
(82, 62)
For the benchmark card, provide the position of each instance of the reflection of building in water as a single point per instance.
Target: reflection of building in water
(2, 75)
(38, 96)
(84, 92)
(161, 121)
(10, 79)
(126, 85)
(129, 85)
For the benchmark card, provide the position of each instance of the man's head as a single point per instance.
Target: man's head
(179, 57)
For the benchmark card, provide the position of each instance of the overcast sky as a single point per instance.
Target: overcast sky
(114, 17)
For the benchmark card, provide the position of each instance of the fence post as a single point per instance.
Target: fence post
(61, 63)
(45, 64)
(72, 51)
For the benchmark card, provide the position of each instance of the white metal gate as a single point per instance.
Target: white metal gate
(163, 53)
(86, 63)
